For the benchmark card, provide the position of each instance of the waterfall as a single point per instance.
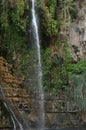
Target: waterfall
(38, 69)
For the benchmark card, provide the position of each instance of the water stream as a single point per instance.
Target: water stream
(13, 117)
(14, 124)
(39, 67)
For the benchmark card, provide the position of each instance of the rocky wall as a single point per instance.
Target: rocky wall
(77, 33)
(59, 112)
(5, 119)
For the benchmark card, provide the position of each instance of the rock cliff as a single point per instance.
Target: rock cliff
(16, 96)
(58, 110)
(77, 33)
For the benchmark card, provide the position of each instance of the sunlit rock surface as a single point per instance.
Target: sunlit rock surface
(12, 89)
(77, 33)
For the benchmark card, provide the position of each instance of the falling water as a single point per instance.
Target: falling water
(14, 124)
(39, 68)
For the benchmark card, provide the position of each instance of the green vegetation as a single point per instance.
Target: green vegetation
(13, 28)
(78, 84)
(17, 15)
(14, 40)
(76, 75)
(60, 73)
(13, 13)
(55, 74)
(16, 46)
(50, 25)
(67, 9)
(77, 68)
(54, 13)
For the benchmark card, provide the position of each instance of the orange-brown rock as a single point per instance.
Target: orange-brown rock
(6, 75)
(11, 86)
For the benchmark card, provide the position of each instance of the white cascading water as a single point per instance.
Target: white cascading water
(39, 68)
(13, 123)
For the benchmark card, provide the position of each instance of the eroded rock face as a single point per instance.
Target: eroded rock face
(60, 112)
(77, 33)
(15, 96)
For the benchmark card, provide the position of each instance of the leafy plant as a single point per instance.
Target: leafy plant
(78, 83)
(50, 25)
(77, 68)
(67, 10)
(52, 6)
(54, 72)
(17, 15)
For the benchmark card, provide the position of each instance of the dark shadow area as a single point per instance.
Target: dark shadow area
(70, 128)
